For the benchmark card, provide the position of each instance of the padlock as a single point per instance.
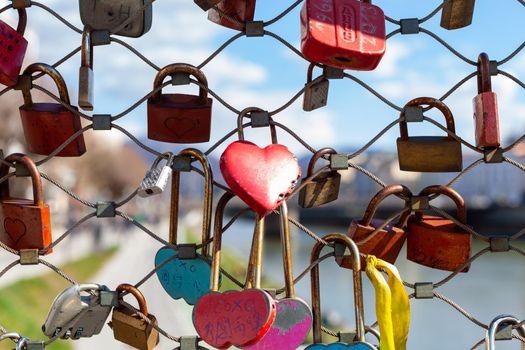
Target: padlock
(261, 177)
(293, 319)
(486, 107)
(457, 13)
(15, 337)
(129, 327)
(438, 242)
(86, 77)
(187, 275)
(496, 325)
(13, 48)
(232, 13)
(322, 189)
(235, 318)
(26, 223)
(359, 341)
(429, 153)
(179, 118)
(108, 14)
(386, 243)
(77, 313)
(156, 178)
(48, 125)
(316, 91)
(348, 34)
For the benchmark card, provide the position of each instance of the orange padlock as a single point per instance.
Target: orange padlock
(438, 242)
(386, 243)
(180, 118)
(26, 224)
(48, 125)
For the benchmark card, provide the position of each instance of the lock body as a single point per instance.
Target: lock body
(48, 125)
(324, 189)
(155, 181)
(343, 33)
(241, 11)
(179, 118)
(486, 120)
(438, 243)
(457, 13)
(429, 154)
(130, 329)
(108, 14)
(316, 95)
(13, 48)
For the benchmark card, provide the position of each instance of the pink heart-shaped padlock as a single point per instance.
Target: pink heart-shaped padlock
(261, 177)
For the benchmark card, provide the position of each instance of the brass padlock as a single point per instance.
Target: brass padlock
(85, 75)
(457, 13)
(130, 328)
(316, 91)
(429, 153)
(324, 188)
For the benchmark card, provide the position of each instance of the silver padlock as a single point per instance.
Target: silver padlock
(108, 14)
(496, 325)
(77, 312)
(156, 178)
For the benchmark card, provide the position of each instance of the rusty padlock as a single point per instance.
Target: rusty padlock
(48, 125)
(324, 188)
(13, 48)
(486, 107)
(316, 91)
(348, 34)
(108, 14)
(386, 243)
(232, 13)
(26, 223)
(85, 76)
(179, 118)
(457, 13)
(438, 242)
(429, 153)
(129, 327)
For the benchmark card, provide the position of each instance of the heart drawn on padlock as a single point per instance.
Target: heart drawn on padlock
(234, 318)
(15, 229)
(181, 126)
(261, 177)
(182, 278)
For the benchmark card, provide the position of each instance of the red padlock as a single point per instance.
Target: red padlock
(384, 244)
(48, 125)
(12, 49)
(343, 33)
(179, 118)
(438, 242)
(26, 224)
(486, 107)
(232, 13)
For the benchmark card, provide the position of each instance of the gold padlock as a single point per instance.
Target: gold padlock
(129, 327)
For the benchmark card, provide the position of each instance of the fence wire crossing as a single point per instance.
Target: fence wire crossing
(488, 248)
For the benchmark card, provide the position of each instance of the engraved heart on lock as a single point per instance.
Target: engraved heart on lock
(181, 126)
(15, 229)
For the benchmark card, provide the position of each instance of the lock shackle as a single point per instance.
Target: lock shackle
(358, 287)
(484, 79)
(433, 102)
(217, 241)
(254, 271)
(246, 113)
(160, 158)
(54, 74)
(22, 21)
(12, 336)
(382, 195)
(181, 68)
(450, 193)
(310, 73)
(318, 155)
(38, 197)
(21, 343)
(128, 288)
(208, 198)
(286, 251)
(501, 320)
(86, 53)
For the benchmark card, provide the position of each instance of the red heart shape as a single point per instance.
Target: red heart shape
(15, 229)
(180, 126)
(238, 318)
(261, 177)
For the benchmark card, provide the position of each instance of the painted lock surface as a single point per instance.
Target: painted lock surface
(13, 48)
(343, 33)
(341, 346)
(238, 12)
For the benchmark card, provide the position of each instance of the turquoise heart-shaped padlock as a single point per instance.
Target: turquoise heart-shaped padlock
(182, 272)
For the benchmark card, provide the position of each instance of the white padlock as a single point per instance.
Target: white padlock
(156, 178)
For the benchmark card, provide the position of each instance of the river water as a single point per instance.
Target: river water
(494, 285)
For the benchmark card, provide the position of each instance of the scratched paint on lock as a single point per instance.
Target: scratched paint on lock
(341, 346)
(292, 324)
(238, 318)
(188, 279)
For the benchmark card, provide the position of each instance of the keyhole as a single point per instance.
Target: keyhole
(110, 13)
(343, 59)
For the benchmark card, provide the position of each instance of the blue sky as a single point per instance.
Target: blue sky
(262, 72)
